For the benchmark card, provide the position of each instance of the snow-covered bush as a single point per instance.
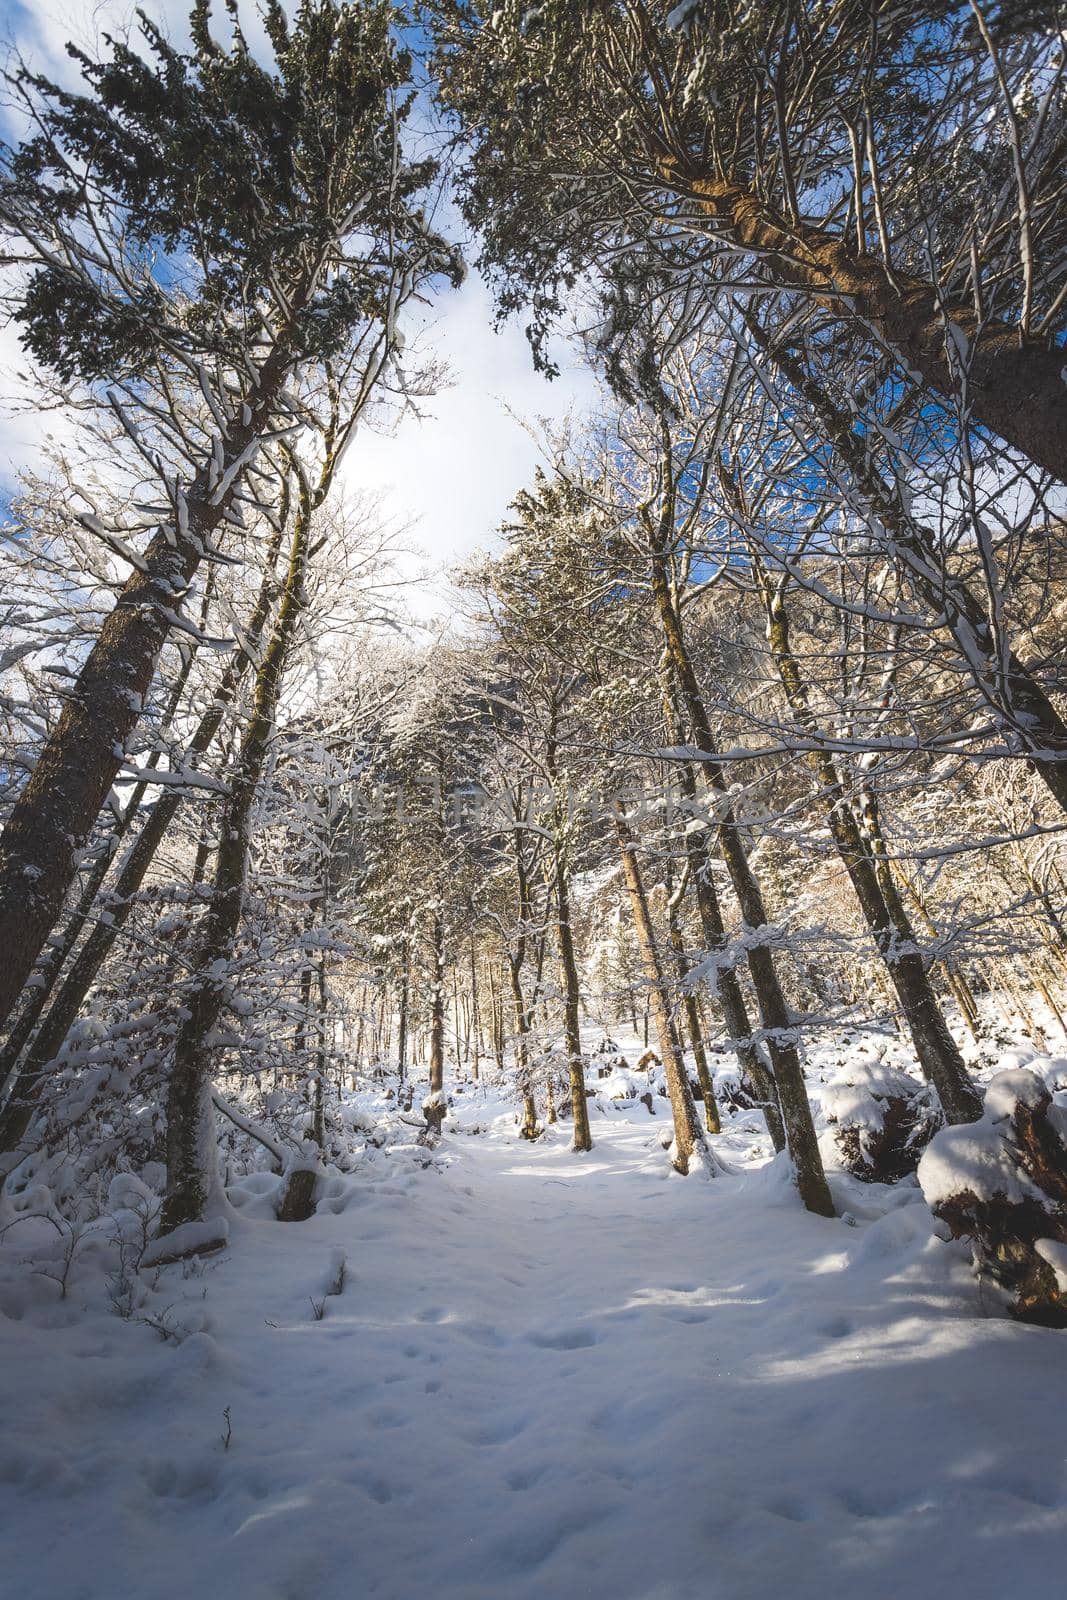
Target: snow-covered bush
(1002, 1183)
(881, 1120)
(608, 1059)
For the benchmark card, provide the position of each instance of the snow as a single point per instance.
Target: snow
(210, 1234)
(501, 1369)
(972, 1159)
(977, 1158)
(622, 1084)
(1011, 1089)
(1055, 1253)
(857, 1096)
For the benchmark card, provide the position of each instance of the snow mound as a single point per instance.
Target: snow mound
(859, 1095)
(968, 1159)
(880, 1120)
(1002, 1183)
(188, 1239)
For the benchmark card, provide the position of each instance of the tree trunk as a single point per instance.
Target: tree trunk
(958, 984)
(56, 954)
(191, 1180)
(712, 1120)
(497, 1003)
(46, 974)
(318, 1096)
(434, 1107)
(402, 1018)
(778, 1023)
(1013, 387)
(529, 1129)
(68, 1001)
(53, 817)
(1026, 714)
(583, 1138)
(756, 1081)
(687, 1134)
(516, 959)
(476, 1019)
(883, 911)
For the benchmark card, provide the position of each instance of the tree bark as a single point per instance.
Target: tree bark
(516, 959)
(712, 1121)
(1012, 386)
(54, 815)
(434, 1107)
(191, 1177)
(402, 1018)
(777, 1020)
(687, 1134)
(1023, 709)
(58, 951)
(572, 998)
(937, 1051)
(68, 1001)
(583, 1138)
(756, 1081)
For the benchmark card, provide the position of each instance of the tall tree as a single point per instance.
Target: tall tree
(204, 232)
(899, 166)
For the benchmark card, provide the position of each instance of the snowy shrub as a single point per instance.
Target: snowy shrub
(1002, 1183)
(609, 1059)
(881, 1121)
(623, 1085)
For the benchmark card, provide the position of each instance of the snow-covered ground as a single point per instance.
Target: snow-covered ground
(546, 1376)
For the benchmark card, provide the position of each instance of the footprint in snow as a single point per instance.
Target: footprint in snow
(534, 1543)
(564, 1339)
(384, 1417)
(494, 1433)
(1044, 1496)
(483, 1333)
(524, 1478)
(377, 1488)
(861, 1505)
(192, 1481)
(789, 1509)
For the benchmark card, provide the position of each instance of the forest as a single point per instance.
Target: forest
(702, 853)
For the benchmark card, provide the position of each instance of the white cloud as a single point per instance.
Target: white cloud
(454, 471)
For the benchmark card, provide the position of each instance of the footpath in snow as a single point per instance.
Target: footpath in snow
(546, 1377)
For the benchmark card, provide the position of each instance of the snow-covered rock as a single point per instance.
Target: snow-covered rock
(1001, 1182)
(880, 1119)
